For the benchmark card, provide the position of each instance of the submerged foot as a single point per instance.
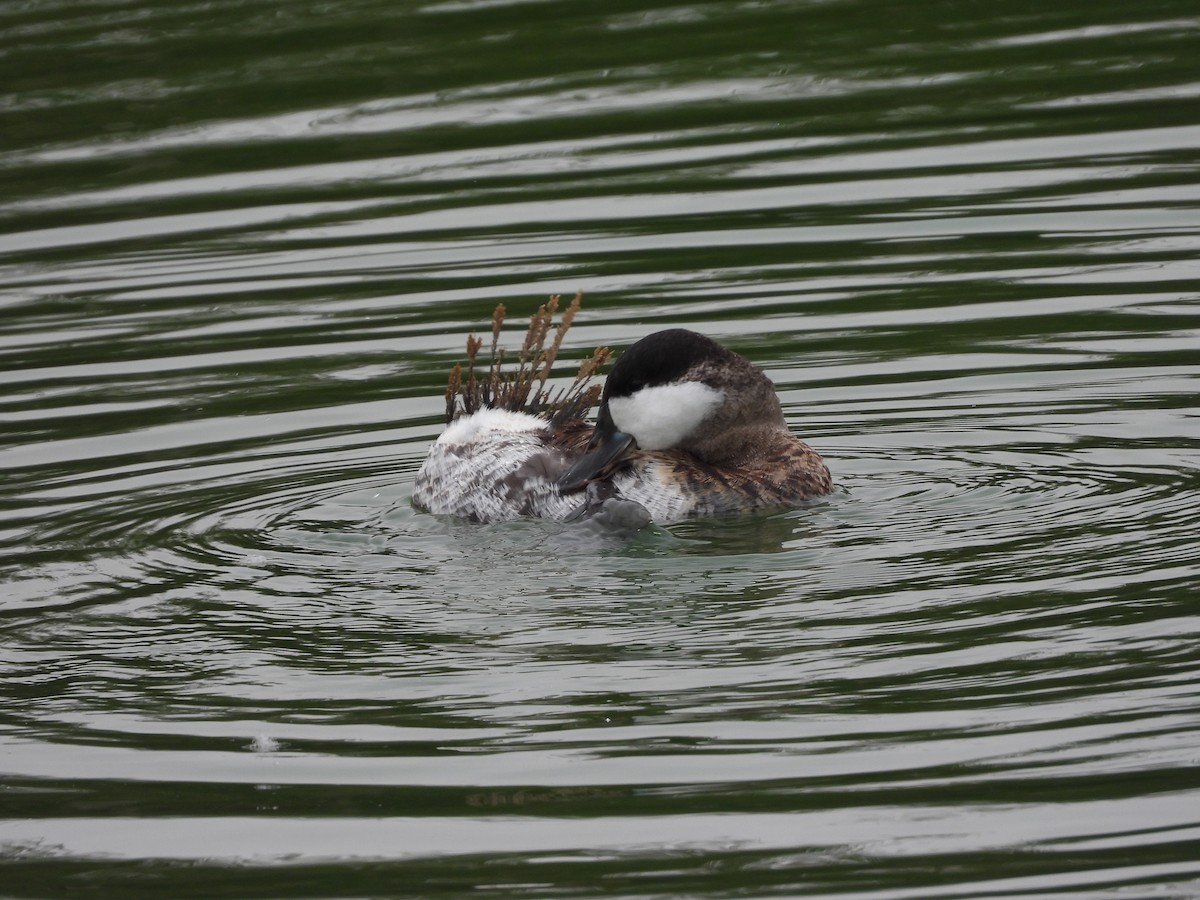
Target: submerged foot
(604, 509)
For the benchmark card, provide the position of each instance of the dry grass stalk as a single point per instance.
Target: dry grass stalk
(524, 389)
(453, 386)
(497, 357)
(472, 388)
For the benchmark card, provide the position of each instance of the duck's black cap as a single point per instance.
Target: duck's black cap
(659, 358)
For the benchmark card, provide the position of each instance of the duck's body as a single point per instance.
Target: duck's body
(686, 428)
(495, 465)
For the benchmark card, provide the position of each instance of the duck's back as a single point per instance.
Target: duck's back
(496, 465)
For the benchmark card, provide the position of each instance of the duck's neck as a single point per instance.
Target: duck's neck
(744, 446)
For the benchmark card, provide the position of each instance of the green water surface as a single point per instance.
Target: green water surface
(241, 243)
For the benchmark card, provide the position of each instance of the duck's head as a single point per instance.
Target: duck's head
(677, 389)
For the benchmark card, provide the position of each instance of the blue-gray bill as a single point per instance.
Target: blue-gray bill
(605, 451)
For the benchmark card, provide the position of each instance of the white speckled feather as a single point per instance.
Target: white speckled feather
(493, 466)
(496, 465)
(647, 482)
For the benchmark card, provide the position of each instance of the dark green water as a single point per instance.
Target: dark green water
(240, 245)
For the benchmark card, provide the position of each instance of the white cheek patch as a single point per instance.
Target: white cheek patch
(661, 417)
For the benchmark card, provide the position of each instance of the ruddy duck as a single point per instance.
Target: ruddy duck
(685, 428)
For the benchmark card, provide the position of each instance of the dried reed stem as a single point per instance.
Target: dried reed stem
(524, 389)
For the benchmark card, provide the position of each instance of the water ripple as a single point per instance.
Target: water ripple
(241, 248)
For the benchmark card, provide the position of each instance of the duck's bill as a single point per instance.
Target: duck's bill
(607, 449)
